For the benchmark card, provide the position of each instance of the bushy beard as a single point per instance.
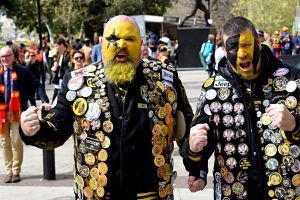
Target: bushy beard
(120, 73)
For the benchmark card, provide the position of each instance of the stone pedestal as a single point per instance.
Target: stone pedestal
(190, 40)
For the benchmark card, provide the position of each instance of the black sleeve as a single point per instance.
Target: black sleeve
(57, 126)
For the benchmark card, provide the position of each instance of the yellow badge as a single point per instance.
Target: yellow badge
(79, 180)
(89, 159)
(94, 172)
(90, 82)
(100, 191)
(208, 82)
(88, 192)
(106, 143)
(159, 160)
(79, 106)
(102, 180)
(102, 155)
(93, 184)
(102, 167)
(108, 126)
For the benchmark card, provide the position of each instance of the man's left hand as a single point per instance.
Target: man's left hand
(281, 117)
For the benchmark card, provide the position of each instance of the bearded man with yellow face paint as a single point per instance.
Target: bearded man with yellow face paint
(124, 114)
(248, 115)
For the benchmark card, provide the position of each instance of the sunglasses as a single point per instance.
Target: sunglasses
(32, 56)
(79, 58)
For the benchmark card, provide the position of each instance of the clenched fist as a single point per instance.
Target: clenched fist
(198, 137)
(281, 117)
(30, 123)
(195, 184)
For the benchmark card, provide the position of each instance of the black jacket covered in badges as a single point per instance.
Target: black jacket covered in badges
(253, 159)
(136, 153)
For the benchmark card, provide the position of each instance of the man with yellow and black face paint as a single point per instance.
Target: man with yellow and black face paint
(248, 115)
(124, 114)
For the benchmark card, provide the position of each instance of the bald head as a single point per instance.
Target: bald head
(122, 18)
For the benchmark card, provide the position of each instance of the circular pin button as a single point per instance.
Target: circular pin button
(288, 161)
(291, 86)
(286, 182)
(89, 159)
(171, 95)
(272, 164)
(227, 120)
(88, 192)
(90, 68)
(86, 91)
(243, 149)
(229, 149)
(240, 133)
(291, 102)
(226, 190)
(79, 106)
(296, 180)
(274, 178)
(95, 125)
(267, 134)
(242, 177)
(239, 120)
(228, 134)
(231, 163)
(294, 151)
(102, 180)
(280, 192)
(284, 149)
(93, 112)
(290, 193)
(159, 160)
(207, 110)
(296, 166)
(84, 171)
(238, 188)
(79, 180)
(266, 103)
(276, 138)
(106, 142)
(211, 94)
(71, 95)
(75, 83)
(108, 126)
(102, 167)
(265, 119)
(215, 107)
(270, 150)
(229, 178)
(220, 160)
(102, 155)
(227, 108)
(238, 107)
(93, 183)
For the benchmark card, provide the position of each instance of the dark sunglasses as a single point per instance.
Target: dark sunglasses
(32, 56)
(79, 58)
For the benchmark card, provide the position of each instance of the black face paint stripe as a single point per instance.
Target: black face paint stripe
(232, 42)
(112, 39)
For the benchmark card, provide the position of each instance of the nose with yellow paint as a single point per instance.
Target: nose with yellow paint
(121, 43)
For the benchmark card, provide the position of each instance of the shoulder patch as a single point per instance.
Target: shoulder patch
(281, 72)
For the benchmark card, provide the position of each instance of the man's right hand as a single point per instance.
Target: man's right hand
(30, 122)
(198, 137)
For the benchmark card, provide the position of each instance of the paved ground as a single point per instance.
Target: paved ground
(33, 187)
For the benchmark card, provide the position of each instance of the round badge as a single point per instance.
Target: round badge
(296, 166)
(291, 102)
(229, 178)
(207, 110)
(228, 134)
(216, 119)
(288, 161)
(75, 82)
(243, 149)
(227, 108)
(86, 91)
(231, 163)
(240, 133)
(242, 177)
(297, 190)
(71, 95)
(215, 107)
(294, 151)
(211, 94)
(102, 167)
(280, 192)
(238, 107)
(267, 134)
(272, 164)
(79, 106)
(290, 193)
(108, 126)
(291, 86)
(84, 171)
(95, 125)
(284, 149)
(239, 120)
(276, 138)
(93, 112)
(92, 143)
(227, 120)
(265, 119)
(226, 190)
(106, 142)
(266, 103)
(286, 182)
(91, 68)
(237, 188)
(89, 159)
(274, 178)
(270, 150)
(296, 180)
(171, 95)
(229, 149)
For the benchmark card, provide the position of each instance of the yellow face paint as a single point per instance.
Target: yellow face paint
(121, 42)
(246, 54)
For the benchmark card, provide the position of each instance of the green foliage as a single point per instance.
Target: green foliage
(68, 16)
(268, 15)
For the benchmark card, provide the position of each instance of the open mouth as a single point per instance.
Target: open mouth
(121, 57)
(245, 66)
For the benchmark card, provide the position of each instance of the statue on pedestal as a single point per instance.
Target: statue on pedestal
(201, 6)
